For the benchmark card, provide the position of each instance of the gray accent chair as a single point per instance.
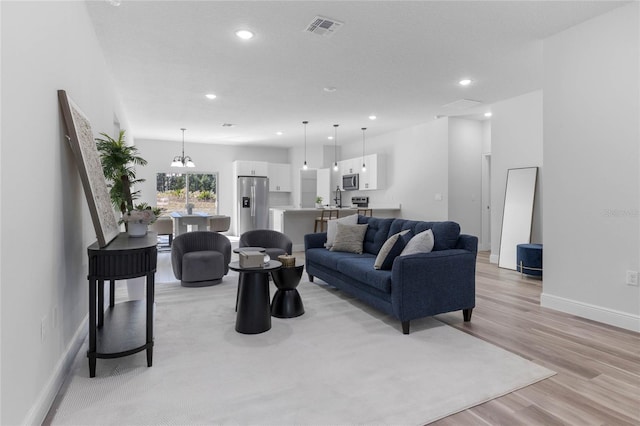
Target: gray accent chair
(200, 258)
(275, 243)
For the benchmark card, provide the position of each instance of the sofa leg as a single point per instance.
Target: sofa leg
(405, 327)
(466, 313)
(310, 278)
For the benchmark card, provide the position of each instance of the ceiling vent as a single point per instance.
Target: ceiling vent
(324, 26)
(461, 104)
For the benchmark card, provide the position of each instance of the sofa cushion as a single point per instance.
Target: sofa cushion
(327, 258)
(421, 243)
(390, 250)
(332, 227)
(349, 238)
(360, 268)
(377, 233)
(445, 234)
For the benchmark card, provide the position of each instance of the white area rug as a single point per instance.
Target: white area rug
(339, 363)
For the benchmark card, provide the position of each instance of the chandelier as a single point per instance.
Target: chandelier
(181, 160)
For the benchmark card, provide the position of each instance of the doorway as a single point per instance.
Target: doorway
(485, 238)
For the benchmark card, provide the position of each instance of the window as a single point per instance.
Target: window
(171, 193)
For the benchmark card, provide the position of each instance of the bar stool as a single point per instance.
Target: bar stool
(326, 215)
(365, 212)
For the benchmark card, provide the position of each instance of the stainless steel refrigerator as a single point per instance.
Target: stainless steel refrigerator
(253, 203)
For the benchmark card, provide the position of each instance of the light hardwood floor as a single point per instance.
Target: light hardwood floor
(598, 366)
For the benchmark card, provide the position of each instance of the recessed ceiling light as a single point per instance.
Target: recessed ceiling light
(330, 138)
(279, 133)
(244, 34)
(330, 89)
(372, 117)
(464, 82)
(488, 114)
(210, 96)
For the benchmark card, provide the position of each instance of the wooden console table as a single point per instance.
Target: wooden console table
(125, 328)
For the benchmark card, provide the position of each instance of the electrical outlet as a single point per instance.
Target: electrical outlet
(632, 278)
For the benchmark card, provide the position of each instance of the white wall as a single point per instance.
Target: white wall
(465, 171)
(591, 151)
(516, 141)
(45, 222)
(208, 158)
(416, 162)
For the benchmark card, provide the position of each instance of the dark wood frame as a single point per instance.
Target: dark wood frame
(80, 137)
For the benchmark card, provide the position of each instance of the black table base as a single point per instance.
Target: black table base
(287, 302)
(253, 303)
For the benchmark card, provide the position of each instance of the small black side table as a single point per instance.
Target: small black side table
(254, 313)
(127, 328)
(287, 302)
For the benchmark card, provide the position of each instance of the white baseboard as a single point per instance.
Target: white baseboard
(494, 258)
(40, 408)
(592, 312)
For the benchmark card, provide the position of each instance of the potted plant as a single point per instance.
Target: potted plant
(318, 202)
(118, 160)
(139, 218)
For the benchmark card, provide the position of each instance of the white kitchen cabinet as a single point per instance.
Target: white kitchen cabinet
(250, 168)
(279, 177)
(369, 179)
(350, 166)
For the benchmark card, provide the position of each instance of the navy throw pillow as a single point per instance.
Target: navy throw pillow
(396, 250)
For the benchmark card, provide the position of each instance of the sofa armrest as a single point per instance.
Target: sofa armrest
(432, 283)
(467, 242)
(316, 240)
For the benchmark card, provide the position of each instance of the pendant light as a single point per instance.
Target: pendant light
(335, 147)
(304, 166)
(364, 167)
(181, 160)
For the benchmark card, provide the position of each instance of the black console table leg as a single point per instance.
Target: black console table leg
(91, 353)
(150, 299)
(100, 303)
(112, 293)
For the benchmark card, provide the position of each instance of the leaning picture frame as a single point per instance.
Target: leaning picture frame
(85, 151)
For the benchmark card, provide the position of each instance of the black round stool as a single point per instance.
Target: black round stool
(286, 302)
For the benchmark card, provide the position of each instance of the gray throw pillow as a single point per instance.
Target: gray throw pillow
(420, 243)
(332, 227)
(389, 250)
(349, 238)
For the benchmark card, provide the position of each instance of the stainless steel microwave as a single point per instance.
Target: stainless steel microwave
(350, 182)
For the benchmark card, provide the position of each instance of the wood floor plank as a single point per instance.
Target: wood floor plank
(597, 365)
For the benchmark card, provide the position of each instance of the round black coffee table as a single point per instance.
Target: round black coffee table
(254, 314)
(286, 301)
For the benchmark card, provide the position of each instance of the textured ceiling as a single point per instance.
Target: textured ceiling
(398, 60)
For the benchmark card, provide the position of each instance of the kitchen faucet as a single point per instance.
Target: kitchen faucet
(338, 198)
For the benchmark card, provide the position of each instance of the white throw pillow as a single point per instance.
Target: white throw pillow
(332, 227)
(420, 243)
(387, 248)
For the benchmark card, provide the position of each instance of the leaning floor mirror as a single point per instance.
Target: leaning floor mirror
(517, 217)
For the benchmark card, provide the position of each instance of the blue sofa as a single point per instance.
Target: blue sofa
(418, 285)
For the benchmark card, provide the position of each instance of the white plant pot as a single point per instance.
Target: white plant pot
(136, 288)
(137, 229)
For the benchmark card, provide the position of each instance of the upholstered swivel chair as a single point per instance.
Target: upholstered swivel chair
(275, 243)
(200, 258)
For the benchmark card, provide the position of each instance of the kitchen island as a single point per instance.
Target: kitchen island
(296, 222)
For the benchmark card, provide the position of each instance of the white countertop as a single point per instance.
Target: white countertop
(313, 209)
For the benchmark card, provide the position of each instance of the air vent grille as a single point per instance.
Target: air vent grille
(323, 26)
(461, 104)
